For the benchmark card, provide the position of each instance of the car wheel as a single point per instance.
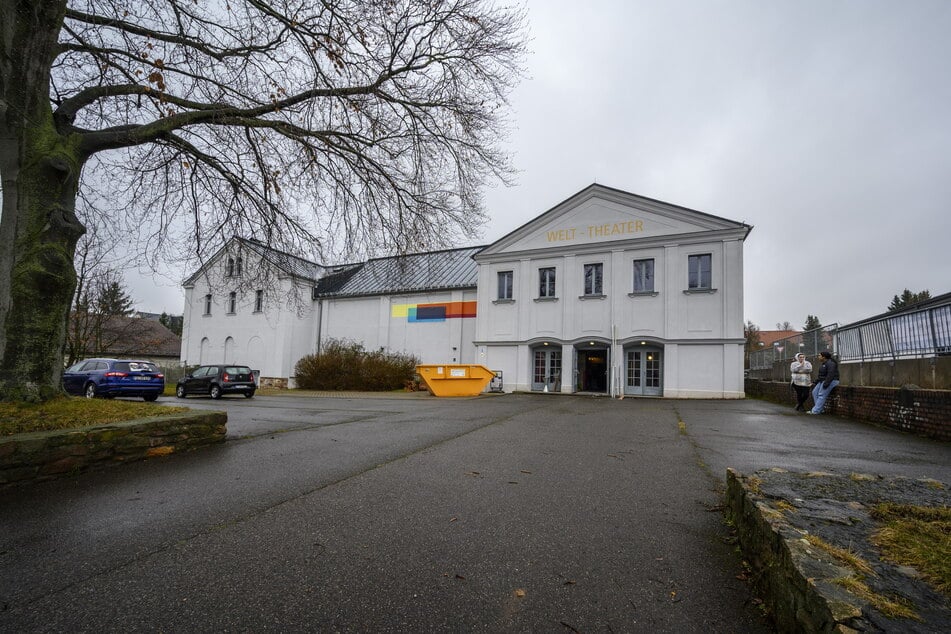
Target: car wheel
(150, 397)
(180, 391)
(90, 391)
(215, 391)
(249, 394)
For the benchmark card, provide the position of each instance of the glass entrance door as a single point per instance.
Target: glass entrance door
(546, 369)
(644, 372)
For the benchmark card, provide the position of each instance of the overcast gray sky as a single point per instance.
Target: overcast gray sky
(825, 124)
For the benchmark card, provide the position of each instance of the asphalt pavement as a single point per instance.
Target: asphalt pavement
(502, 513)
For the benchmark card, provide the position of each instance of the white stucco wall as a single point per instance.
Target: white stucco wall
(381, 322)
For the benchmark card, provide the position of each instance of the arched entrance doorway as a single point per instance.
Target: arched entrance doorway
(591, 367)
(644, 370)
(546, 368)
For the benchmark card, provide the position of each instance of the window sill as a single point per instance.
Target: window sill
(255, 312)
(231, 314)
(545, 299)
(699, 291)
(503, 301)
(206, 315)
(597, 296)
(644, 294)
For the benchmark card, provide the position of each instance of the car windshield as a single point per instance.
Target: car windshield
(238, 369)
(136, 366)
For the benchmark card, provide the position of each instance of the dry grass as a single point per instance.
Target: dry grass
(917, 536)
(785, 506)
(893, 608)
(841, 555)
(69, 412)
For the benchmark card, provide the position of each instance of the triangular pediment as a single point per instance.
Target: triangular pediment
(600, 215)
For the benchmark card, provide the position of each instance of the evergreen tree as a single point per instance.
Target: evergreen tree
(907, 298)
(172, 322)
(812, 322)
(113, 300)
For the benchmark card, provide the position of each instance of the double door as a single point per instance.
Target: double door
(644, 372)
(546, 369)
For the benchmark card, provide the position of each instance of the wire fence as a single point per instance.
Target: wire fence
(914, 334)
(810, 343)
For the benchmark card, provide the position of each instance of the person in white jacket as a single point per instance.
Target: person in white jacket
(801, 371)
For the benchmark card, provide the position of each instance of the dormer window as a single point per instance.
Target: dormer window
(230, 267)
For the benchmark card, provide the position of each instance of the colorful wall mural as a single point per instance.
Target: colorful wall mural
(441, 311)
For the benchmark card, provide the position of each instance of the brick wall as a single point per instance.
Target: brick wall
(52, 454)
(924, 412)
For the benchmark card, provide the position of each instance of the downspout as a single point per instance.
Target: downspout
(320, 319)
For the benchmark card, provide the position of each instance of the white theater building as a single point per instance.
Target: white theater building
(607, 292)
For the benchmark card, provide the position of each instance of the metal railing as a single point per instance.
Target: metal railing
(921, 333)
(918, 334)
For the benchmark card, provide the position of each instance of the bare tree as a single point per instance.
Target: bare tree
(290, 121)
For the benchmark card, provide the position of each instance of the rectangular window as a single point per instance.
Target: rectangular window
(546, 282)
(505, 284)
(232, 302)
(258, 301)
(208, 304)
(230, 267)
(644, 276)
(237, 267)
(699, 268)
(592, 279)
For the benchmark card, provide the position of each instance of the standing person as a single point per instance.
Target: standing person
(801, 371)
(826, 382)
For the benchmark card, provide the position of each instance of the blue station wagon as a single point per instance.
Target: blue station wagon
(114, 377)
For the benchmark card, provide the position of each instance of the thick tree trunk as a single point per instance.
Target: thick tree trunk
(38, 229)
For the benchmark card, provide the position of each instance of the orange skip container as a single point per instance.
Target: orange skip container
(455, 379)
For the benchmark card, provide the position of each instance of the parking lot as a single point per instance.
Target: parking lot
(411, 513)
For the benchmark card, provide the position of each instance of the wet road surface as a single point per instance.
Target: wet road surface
(499, 513)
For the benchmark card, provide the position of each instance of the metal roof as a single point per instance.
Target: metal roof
(414, 272)
(291, 264)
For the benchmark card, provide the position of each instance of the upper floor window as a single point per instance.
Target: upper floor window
(546, 282)
(644, 276)
(232, 302)
(505, 284)
(258, 301)
(234, 266)
(593, 274)
(208, 304)
(699, 276)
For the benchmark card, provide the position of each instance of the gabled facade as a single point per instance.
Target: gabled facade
(607, 292)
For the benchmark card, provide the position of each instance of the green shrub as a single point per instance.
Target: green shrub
(345, 365)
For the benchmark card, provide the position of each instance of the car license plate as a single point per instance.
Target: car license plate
(143, 378)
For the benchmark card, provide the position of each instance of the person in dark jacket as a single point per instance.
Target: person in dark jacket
(826, 381)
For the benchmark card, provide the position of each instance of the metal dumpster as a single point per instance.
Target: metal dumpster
(455, 379)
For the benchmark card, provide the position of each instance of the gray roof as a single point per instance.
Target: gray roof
(411, 273)
(291, 264)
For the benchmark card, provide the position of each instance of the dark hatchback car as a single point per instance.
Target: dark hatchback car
(216, 381)
(114, 377)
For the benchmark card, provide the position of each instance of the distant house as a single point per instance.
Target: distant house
(126, 337)
(769, 337)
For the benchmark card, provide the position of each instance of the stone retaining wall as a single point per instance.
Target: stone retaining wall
(46, 455)
(925, 412)
(800, 601)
